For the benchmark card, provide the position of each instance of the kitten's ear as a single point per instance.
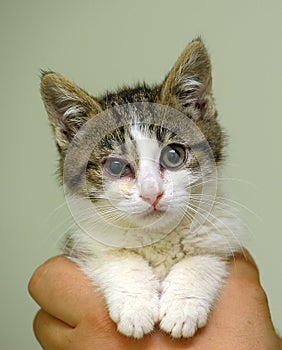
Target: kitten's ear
(189, 83)
(68, 106)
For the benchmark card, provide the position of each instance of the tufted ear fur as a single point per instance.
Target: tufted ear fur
(68, 106)
(189, 83)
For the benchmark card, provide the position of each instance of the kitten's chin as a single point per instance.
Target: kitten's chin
(157, 220)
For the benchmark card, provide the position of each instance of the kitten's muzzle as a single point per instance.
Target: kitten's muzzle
(151, 186)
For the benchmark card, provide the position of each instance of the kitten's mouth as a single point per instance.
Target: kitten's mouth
(154, 213)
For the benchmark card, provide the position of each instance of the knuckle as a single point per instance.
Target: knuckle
(251, 288)
(37, 323)
(34, 282)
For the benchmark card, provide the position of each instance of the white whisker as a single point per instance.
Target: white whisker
(220, 221)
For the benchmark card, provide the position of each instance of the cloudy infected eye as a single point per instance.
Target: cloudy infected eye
(117, 168)
(173, 156)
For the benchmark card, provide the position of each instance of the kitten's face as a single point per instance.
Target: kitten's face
(149, 171)
(144, 179)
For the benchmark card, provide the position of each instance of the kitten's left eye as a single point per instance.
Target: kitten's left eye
(117, 168)
(173, 156)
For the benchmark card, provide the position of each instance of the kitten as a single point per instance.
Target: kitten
(139, 169)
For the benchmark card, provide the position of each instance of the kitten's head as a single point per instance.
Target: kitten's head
(141, 155)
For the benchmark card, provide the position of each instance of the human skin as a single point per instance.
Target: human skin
(73, 314)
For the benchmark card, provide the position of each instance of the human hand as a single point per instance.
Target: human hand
(73, 315)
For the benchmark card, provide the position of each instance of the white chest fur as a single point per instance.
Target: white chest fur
(174, 281)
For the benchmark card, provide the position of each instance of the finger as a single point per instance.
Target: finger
(51, 333)
(62, 290)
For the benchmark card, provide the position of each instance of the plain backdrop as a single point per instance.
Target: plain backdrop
(104, 44)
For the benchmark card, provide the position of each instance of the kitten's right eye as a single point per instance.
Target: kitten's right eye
(117, 168)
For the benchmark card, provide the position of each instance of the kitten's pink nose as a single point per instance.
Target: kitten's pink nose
(150, 188)
(152, 198)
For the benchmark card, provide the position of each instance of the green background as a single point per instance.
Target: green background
(101, 45)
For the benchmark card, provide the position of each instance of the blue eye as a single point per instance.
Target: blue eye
(116, 167)
(173, 156)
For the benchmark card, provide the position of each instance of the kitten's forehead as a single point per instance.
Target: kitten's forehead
(147, 145)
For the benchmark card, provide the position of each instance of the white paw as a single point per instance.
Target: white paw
(135, 315)
(182, 316)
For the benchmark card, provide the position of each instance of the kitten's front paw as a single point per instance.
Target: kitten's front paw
(181, 317)
(135, 316)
